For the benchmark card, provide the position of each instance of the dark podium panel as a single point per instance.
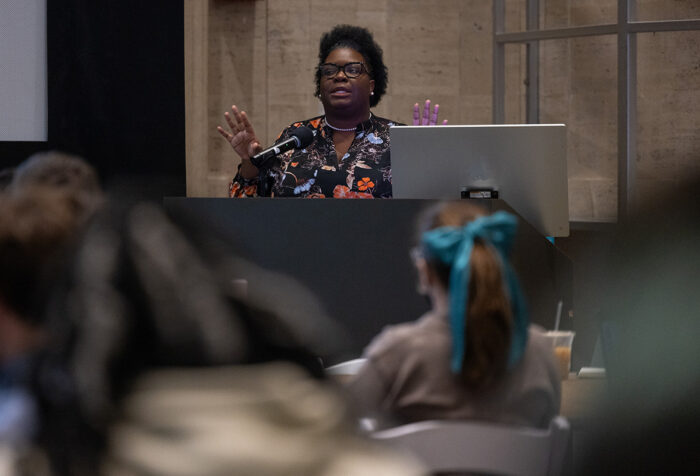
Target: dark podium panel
(354, 256)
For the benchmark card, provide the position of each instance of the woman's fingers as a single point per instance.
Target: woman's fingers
(236, 113)
(426, 118)
(227, 135)
(244, 121)
(247, 126)
(230, 122)
(238, 123)
(426, 112)
(434, 117)
(234, 137)
(241, 136)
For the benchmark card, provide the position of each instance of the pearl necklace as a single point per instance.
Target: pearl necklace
(341, 129)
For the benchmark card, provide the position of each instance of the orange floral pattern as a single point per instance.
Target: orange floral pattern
(342, 191)
(237, 190)
(364, 184)
(317, 172)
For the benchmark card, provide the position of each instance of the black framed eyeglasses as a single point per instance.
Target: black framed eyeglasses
(351, 70)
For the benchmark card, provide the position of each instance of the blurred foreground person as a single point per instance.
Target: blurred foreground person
(651, 422)
(37, 224)
(6, 176)
(157, 368)
(473, 355)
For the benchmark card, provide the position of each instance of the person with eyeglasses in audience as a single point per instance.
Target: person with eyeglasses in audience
(349, 155)
(473, 356)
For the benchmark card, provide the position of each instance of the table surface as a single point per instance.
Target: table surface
(580, 398)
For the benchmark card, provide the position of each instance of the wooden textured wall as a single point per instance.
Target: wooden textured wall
(260, 55)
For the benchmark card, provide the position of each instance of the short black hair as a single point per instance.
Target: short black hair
(362, 41)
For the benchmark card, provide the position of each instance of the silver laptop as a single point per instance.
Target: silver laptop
(525, 164)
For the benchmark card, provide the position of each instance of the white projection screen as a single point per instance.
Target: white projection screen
(23, 95)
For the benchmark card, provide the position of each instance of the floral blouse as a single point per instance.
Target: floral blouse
(316, 171)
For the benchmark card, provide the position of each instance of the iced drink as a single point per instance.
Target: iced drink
(561, 344)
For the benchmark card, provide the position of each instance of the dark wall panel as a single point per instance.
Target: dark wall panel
(116, 87)
(354, 256)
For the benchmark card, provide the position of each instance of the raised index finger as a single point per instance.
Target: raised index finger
(416, 114)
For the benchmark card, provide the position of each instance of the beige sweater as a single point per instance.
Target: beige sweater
(257, 420)
(407, 378)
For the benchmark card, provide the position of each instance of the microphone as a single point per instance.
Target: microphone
(301, 137)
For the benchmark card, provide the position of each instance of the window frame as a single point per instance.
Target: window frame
(626, 30)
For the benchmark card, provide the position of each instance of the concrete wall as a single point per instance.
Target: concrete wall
(260, 55)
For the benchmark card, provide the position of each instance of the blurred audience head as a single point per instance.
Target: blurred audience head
(36, 226)
(6, 176)
(46, 201)
(59, 170)
(463, 253)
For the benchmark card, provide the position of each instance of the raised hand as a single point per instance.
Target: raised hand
(427, 119)
(242, 138)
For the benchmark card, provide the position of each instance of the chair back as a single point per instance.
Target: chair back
(346, 368)
(468, 446)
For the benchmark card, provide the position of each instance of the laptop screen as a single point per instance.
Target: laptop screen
(524, 163)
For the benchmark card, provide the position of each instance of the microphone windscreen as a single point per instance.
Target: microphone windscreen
(304, 134)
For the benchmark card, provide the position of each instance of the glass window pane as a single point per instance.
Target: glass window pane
(561, 13)
(578, 87)
(516, 15)
(564, 13)
(651, 10)
(516, 73)
(668, 101)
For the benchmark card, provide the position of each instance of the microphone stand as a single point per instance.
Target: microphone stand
(264, 179)
(264, 183)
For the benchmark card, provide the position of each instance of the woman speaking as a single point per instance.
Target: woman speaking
(348, 156)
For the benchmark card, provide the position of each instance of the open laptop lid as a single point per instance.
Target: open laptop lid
(524, 163)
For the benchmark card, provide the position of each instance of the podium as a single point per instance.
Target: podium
(354, 256)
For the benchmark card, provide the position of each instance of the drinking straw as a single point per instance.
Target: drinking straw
(557, 319)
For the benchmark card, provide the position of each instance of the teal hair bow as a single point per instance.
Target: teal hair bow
(453, 247)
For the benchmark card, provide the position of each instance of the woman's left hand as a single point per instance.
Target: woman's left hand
(428, 119)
